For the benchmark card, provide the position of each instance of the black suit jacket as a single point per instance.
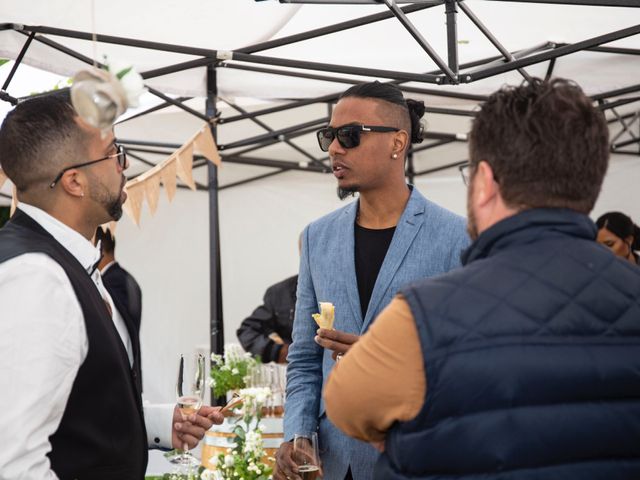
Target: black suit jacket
(127, 297)
(275, 315)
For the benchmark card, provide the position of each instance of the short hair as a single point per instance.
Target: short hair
(546, 143)
(38, 138)
(409, 111)
(621, 226)
(107, 240)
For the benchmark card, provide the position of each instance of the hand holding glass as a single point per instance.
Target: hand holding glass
(305, 455)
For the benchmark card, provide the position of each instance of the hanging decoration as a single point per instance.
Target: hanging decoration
(146, 186)
(101, 96)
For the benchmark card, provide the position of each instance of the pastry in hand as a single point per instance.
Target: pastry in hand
(324, 319)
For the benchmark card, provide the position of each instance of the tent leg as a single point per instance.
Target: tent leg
(215, 276)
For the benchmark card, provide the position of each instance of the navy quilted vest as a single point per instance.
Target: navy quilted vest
(532, 359)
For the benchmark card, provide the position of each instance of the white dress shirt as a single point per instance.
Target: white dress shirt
(43, 343)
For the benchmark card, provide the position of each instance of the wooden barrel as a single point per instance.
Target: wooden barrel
(220, 438)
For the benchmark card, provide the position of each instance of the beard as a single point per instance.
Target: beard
(111, 201)
(472, 225)
(346, 192)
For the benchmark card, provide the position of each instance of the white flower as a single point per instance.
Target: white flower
(208, 474)
(214, 460)
(235, 371)
(233, 353)
(215, 358)
(228, 460)
(130, 80)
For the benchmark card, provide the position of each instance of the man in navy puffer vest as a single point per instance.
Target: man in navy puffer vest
(525, 362)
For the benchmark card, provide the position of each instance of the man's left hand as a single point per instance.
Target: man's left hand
(339, 342)
(191, 429)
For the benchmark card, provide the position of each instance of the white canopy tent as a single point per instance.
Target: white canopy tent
(260, 218)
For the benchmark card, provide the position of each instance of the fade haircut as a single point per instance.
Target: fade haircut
(546, 143)
(38, 138)
(405, 114)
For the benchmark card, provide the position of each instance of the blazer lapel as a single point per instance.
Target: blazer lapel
(346, 245)
(410, 222)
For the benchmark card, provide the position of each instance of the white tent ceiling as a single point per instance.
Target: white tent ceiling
(230, 25)
(217, 26)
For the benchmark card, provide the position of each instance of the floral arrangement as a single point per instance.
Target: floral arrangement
(245, 459)
(230, 372)
(99, 96)
(130, 81)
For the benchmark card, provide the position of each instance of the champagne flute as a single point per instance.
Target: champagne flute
(190, 394)
(305, 455)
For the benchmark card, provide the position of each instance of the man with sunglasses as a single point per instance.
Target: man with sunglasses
(357, 258)
(71, 403)
(525, 363)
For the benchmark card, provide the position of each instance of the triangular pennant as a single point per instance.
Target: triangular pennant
(152, 192)
(168, 176)
(206, 145)
(133, 205)
(185, 166)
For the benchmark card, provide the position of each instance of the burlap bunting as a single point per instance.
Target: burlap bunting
(179, 164)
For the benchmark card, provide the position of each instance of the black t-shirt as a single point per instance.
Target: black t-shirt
(370, 249)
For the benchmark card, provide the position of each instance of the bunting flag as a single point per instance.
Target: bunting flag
(146, 186)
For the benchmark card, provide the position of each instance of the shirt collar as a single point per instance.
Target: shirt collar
(81, 248)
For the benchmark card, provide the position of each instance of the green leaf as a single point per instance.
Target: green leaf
(122, 73)
(3, 61)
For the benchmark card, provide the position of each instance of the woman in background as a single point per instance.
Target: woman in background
(617, 232)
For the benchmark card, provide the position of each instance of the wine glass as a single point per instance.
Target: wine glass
(305, 455)
(190, 394)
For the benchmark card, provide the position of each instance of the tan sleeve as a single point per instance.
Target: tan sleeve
(381, 379)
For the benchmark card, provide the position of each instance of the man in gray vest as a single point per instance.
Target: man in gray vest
(525, 362)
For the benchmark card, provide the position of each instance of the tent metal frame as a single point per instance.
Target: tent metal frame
(449, 72)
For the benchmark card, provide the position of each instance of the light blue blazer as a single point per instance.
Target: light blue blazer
(428, 241)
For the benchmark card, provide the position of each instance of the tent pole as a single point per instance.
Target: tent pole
(215, 273)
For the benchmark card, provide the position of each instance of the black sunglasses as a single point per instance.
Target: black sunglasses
(348, 135)
(120, 155)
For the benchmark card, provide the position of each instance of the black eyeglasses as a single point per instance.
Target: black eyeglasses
(348, 135)
(466, 174)
(120, 155)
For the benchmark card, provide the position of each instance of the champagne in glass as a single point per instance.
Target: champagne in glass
(189, 404)
(190, 394)
(305, 455)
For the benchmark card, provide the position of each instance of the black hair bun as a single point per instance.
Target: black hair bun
(416, 112)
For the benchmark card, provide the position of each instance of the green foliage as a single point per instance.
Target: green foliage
(230, 372)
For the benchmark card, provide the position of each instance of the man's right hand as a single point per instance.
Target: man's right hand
(286, 468)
